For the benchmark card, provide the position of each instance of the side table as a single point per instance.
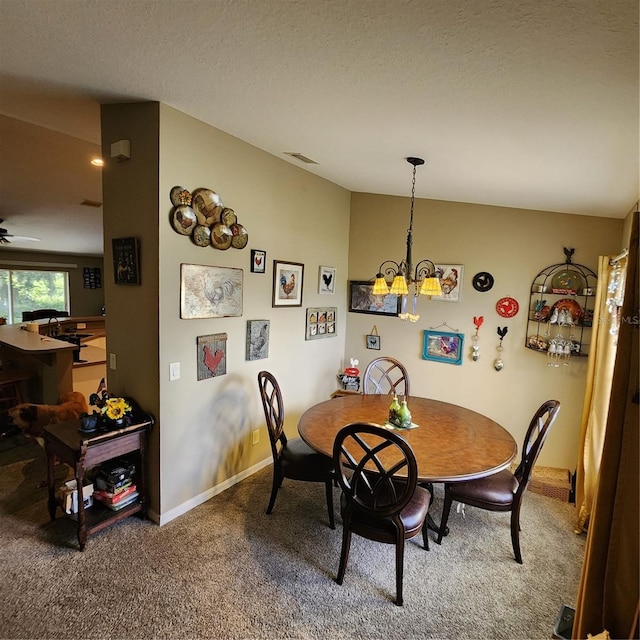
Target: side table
(82, 452)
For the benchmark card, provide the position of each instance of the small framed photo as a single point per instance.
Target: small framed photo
(450, 276)
(287, 284)
(443, 347)
(321, 323)
(327, 280)
(373, 342)
(258, 261)
(362, 300)
(126, 267)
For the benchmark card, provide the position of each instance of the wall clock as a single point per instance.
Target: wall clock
(482, 281)
(507, 307)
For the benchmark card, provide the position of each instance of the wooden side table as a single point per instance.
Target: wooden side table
(82, 452)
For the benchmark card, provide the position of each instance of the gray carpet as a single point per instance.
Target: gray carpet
(227, 570)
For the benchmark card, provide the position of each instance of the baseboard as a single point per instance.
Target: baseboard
(206, 495)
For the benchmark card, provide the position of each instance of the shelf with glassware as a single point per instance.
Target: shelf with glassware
(561, 311)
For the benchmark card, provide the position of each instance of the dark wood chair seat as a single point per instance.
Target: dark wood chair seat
(504, 491)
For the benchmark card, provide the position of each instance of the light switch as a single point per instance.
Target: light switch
(174, 371)
(112, 361)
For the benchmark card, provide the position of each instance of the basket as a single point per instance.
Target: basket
(551, 482)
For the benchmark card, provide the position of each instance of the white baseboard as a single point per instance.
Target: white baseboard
(206, 495)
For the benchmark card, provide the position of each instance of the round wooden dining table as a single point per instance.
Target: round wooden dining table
(450, 443)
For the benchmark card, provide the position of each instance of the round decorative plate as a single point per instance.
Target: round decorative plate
(184, 219)
(240, 236)
(221, 236)
(482, 281)
(567, 280)
(208, 206)
(179, 195)
(507, 307)
(201, 235)
(228, 217)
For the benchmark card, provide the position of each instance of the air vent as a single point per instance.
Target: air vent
(300, 157)
(91, 203)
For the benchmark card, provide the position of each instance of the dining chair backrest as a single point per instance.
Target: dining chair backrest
(535, 437)
(375, 468)
(273, 406)
(386, 375)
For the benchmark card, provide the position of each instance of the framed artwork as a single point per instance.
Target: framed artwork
(287, 284)
(257, 339)
(258, 261)
(450, 276)
(362, 300)
(321, 323)
(443, 347)
(373, 342)
(327, 280)
(212, 355)
(210, 292)
(126, 267)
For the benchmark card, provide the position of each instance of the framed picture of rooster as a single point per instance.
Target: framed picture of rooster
(442, 346)
(321, 323)
(287, 284)
(327, 280)
(450, 276)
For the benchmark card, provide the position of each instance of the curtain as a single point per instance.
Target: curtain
(597, 394)
(608, 596)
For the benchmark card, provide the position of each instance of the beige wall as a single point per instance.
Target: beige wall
(202, 438)
(83, 302)
(513, 245)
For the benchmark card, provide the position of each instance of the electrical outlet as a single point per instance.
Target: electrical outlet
(174, 371)
(81, 325)
(112, 361)
(255, 436)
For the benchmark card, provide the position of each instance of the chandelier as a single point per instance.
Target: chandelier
(422, 279)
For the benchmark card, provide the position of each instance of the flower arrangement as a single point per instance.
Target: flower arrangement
(116, 408)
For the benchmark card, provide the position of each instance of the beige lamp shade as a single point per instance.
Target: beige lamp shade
(431, 287)
(399, 286)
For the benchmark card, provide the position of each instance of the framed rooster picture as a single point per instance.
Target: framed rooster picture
(212, 355)
(450, 276)
(287, 284)
(327, 280)
(442, 346)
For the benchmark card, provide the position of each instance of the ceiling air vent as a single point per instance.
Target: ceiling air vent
(300, 157)
(91, 203)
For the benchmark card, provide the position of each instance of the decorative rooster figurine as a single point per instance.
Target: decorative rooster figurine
(477, 321)
(499, 364)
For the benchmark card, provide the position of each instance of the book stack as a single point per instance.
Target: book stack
(115, 486)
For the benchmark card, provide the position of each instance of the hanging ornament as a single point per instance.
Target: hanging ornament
(507, 307)
(482, 281)
(499, 364)
(475, 353)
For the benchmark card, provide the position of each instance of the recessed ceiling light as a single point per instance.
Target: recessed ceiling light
(97, 162)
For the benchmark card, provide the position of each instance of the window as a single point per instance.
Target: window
(28, 290)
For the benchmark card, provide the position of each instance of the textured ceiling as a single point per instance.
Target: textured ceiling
(530, 104)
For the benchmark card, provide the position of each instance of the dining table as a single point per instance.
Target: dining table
(451, 443)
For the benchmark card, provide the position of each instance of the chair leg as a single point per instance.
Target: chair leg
(344, 554)
(445, 514)
(277, 481)
(515, 532)
(329, 491)
(425, 535)
(399, 569)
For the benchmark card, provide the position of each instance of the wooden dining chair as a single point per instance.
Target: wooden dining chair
(377, 472)
(386, 375)
(292, 458)
(503, 491)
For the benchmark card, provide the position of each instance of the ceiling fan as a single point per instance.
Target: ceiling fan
(7, 238)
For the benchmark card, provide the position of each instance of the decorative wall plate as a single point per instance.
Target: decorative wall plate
(221, 236)
(507, 307)
(180, 195)
(201, 235)
(228, 217)
(482, 281)
(183, 219)
(240, 236)
(566, 311)
(208, 206)
(567, 280)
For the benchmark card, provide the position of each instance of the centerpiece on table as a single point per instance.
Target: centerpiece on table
(112, 413)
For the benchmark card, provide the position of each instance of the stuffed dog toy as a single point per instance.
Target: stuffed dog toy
(31, 418)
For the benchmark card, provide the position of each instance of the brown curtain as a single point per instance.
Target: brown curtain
(608, 595)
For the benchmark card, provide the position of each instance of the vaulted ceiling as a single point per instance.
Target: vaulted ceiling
(530, 105)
